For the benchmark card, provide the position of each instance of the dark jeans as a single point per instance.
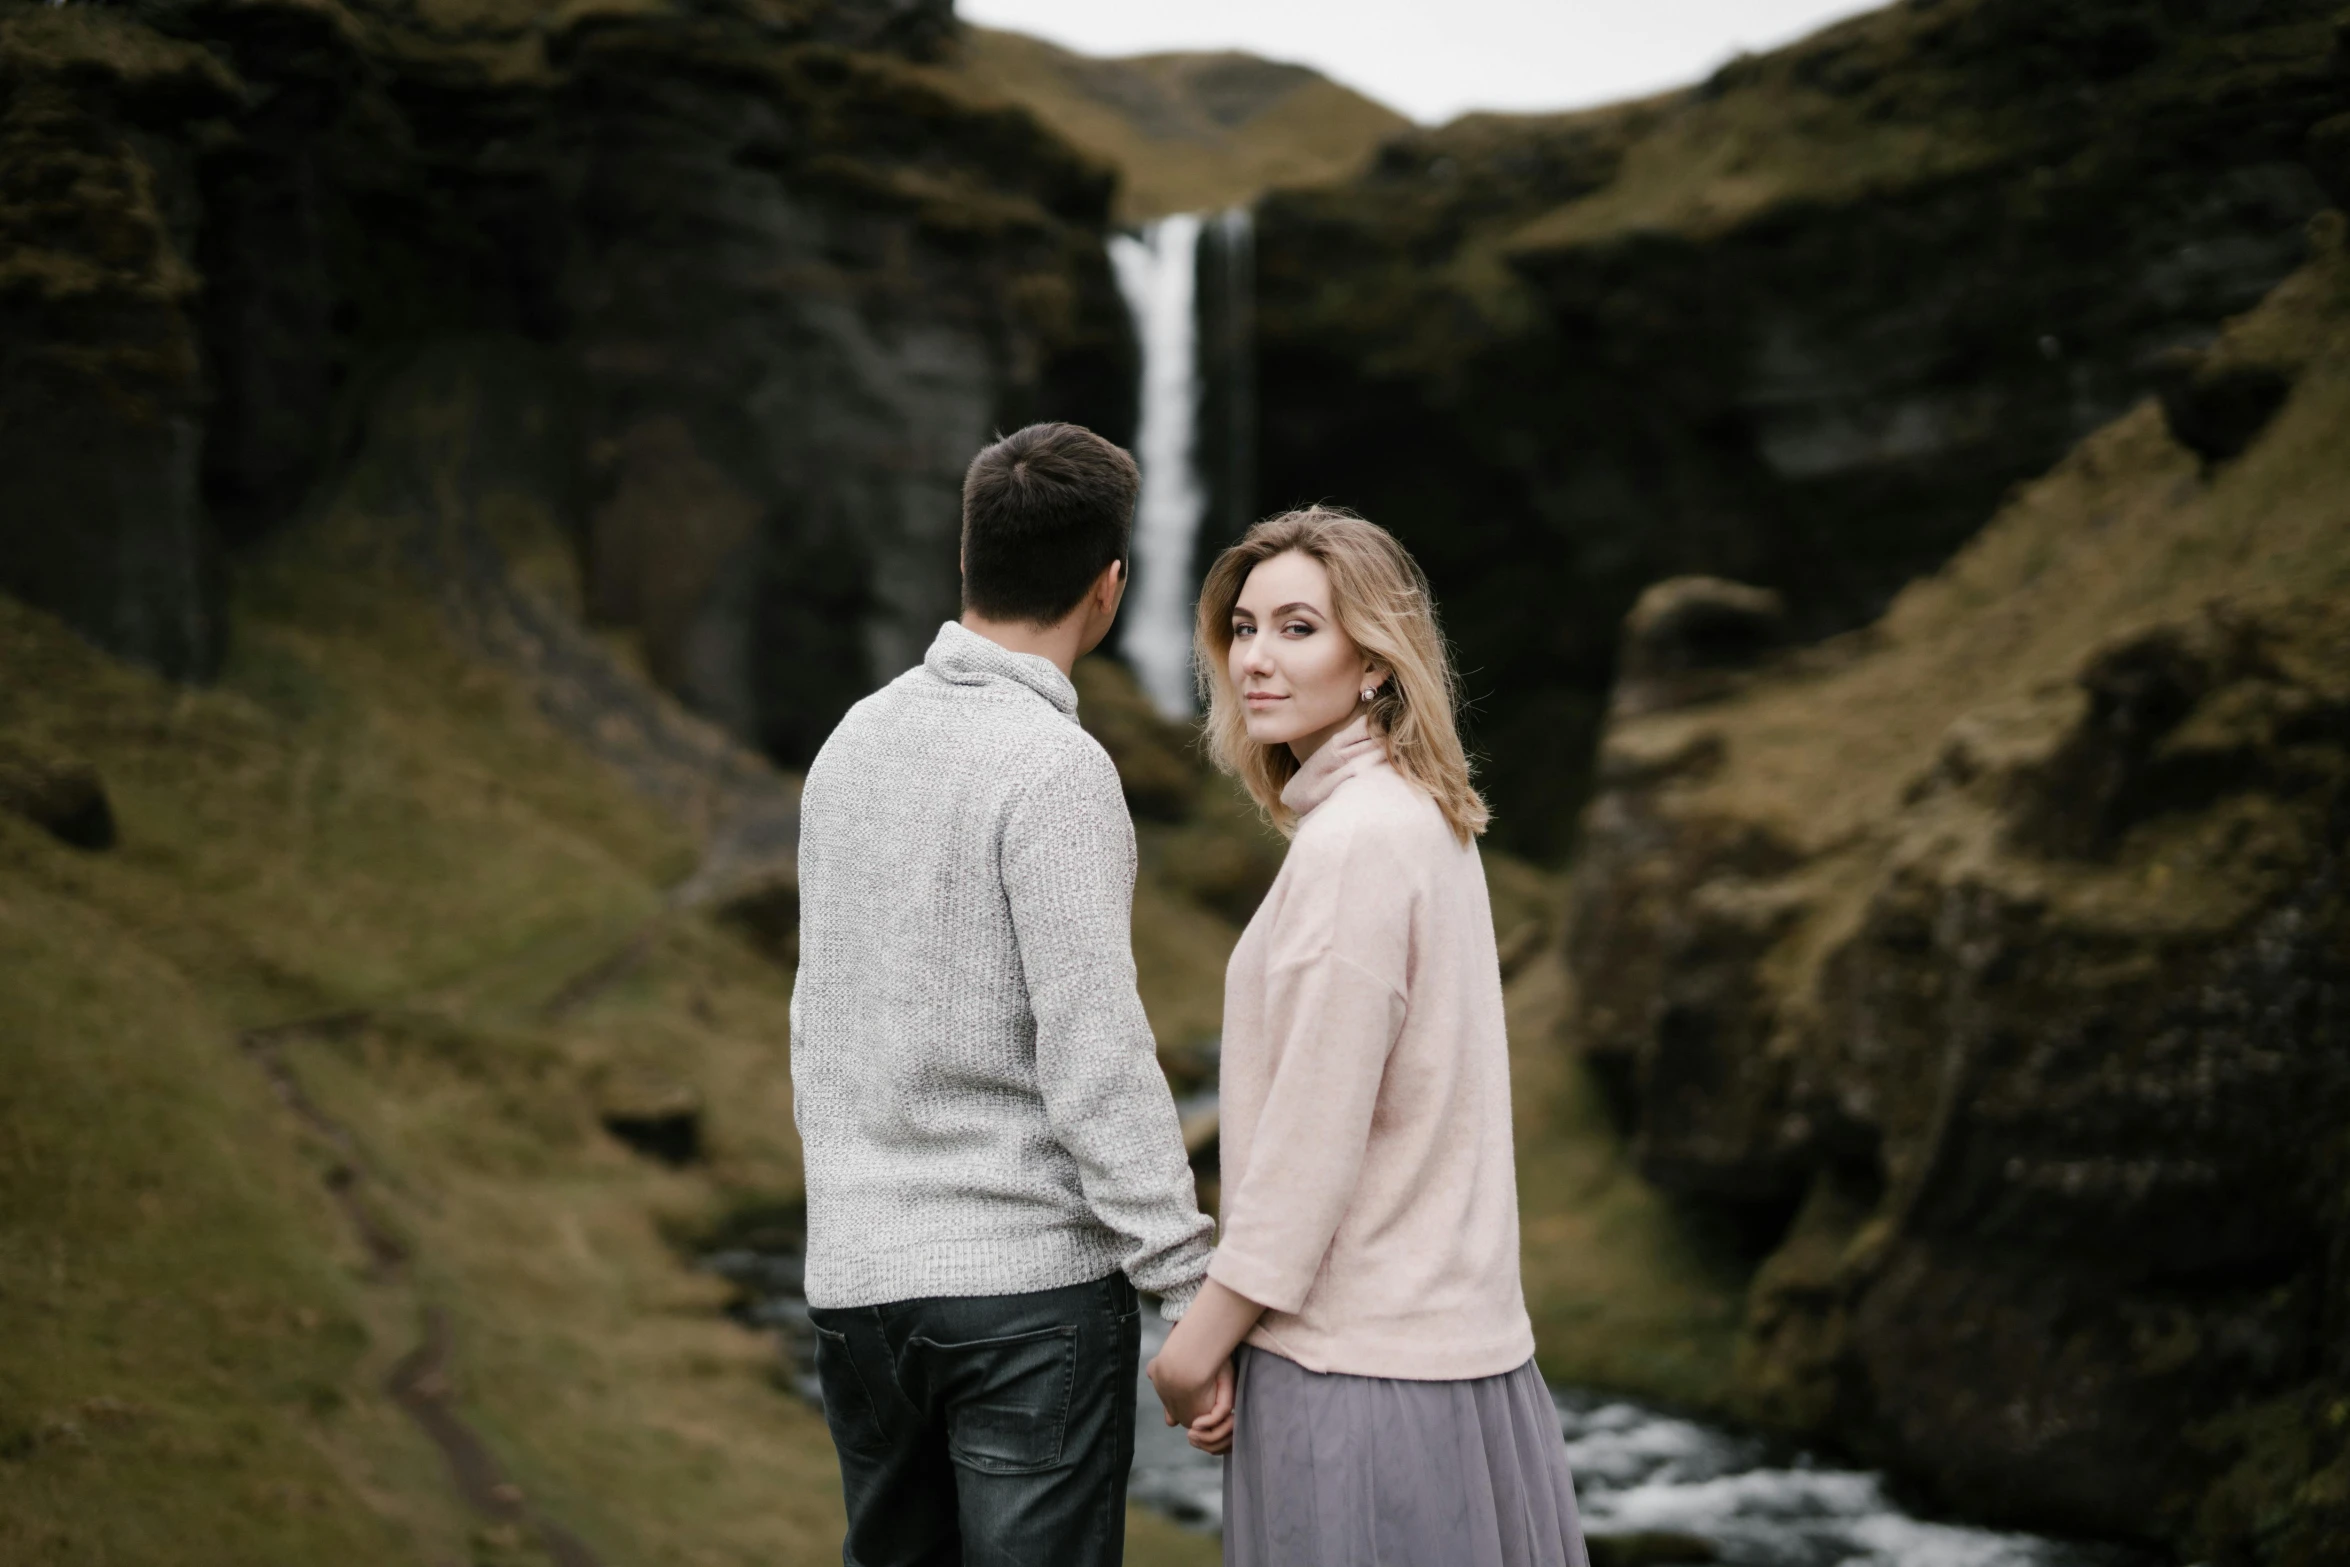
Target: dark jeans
(994, 1430)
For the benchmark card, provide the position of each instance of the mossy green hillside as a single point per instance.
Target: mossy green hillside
(358, 820)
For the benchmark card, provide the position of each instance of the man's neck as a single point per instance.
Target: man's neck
(1059, 644)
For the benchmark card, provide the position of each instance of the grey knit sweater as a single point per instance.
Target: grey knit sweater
(976, 1088)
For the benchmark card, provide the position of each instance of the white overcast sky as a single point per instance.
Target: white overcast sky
(1433, 59)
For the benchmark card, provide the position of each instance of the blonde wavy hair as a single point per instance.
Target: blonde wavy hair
(1380, 599)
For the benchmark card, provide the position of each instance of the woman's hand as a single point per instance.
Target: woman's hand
(1190, 1388)
(1212, 1431)
(1203, 1410)
(1193, 1374)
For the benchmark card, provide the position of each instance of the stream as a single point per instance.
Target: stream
(1639, 1471)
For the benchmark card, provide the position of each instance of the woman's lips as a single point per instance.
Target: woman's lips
(1257, 698)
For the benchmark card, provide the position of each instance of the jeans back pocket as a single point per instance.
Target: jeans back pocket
(848, 1404)
(1008, 1399)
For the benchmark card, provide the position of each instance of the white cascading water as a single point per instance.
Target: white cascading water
(1158, 275)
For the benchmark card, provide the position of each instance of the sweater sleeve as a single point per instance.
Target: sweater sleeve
(1335, 994)
(1068, 868)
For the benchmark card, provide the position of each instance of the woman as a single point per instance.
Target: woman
(1366, 1283)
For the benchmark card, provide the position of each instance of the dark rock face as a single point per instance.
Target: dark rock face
(2050, 1216)
(1686, 639)
(101, 393)
(656, 1116)
(794, 283)
(63, 796)
(1803, 326)
(1998, 955)
(2329, 157)
(2218, 410)
(806, 378)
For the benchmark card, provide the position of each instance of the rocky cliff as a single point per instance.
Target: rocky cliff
(790, 274)
(1801, 325)
(1995, 958)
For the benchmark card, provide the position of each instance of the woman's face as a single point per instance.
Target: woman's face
(1299, 678)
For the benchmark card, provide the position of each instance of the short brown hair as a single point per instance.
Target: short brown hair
(1045, 510)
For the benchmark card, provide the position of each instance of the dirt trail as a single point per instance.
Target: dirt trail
(421, 1382)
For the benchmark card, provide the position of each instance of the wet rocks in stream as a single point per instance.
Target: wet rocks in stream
(770, 1278)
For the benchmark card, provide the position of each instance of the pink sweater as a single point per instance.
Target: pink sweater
(1370, 1201)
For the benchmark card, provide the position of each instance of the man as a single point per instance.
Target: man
(993, 1161)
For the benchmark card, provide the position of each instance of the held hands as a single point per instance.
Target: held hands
(1193, 1374)
(1203, 1405)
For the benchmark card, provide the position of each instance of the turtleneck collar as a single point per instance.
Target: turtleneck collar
(962, 657)
(1350, 753)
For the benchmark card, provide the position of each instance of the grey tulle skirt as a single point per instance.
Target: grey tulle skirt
(1340, 1471)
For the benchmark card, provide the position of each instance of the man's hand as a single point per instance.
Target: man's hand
(1187, 1388)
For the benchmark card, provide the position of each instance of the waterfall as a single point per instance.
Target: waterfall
(1158, 273)
(1228, 367)
(1187, 280)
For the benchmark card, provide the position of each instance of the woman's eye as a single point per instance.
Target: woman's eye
(1300, 628)
(1242, 631)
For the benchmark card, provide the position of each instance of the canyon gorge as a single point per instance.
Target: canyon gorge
(459, 457)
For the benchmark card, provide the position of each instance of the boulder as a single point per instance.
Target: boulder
(2218, 396)
(2217, 408)
(1690, 638)
(652, 1113)
(61, 795)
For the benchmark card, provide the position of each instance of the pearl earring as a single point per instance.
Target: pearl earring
(1370, 692)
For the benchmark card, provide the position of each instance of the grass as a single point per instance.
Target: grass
(1186, 132)
(360, 817)
(185, 1372)
(1151, 1541)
